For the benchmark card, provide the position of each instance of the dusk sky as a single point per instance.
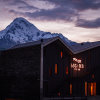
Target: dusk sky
(78, 20)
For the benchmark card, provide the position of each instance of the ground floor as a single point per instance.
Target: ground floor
(97, 97)
(69, 88)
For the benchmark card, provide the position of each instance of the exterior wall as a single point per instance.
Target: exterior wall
(20, 73)
(56, 84)
(91, 71)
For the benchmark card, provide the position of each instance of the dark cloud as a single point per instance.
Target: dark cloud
(28, 7)
(78, 4)
(88, 24)
(54, 14)
(65, 10)
(21, 4)
(16, 12)
(65, 13)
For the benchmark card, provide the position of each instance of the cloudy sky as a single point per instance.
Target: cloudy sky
(78, 20)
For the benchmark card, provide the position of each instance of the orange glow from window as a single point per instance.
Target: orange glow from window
(56, 69)
(66, 70)
(61, 54)
(91, 89)
(94, 88)
(85, 88)
(70, 88)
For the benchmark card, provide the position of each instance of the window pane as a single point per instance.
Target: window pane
(91, 88)
(94, 88)
(61, 54)
(85, 88)
(66, 70)
(55, 68)
(70, 88)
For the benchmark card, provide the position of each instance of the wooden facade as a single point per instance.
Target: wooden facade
(56, 69)
(20, 73)
(48, 69)
(89, 75)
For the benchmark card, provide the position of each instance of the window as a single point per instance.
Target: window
(89, 89)
(77, 64)
(70, 89)
(66, 70)
(58, 94)
(93, 76)
(56, 69)
(61, 54)
(92, 88)
(85, 88)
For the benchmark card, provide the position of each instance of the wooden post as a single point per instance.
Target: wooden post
(41, 74)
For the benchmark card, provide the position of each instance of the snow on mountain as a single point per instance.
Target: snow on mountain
(22, 31)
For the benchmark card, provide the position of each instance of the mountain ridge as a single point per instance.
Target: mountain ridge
(22, 31)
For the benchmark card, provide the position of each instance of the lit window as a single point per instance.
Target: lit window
(77, 64)
(66, 70)
(56, 69)
(94, 88)
(91, 88)
(61, 54)
(85, 88)
(70, 88)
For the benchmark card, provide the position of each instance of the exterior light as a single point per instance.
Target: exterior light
(77, 64)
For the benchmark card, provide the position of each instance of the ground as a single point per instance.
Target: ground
(94, 97)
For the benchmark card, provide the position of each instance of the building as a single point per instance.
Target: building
(49, 68)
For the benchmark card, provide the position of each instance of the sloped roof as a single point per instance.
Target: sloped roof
(77, 48)
(85, 46)
(31, 43)
(80, 47)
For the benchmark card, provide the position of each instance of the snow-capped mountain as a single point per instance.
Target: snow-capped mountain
(22, 31)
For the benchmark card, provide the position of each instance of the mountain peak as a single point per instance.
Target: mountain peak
(22, 31)
(22, 23)
(19, 19)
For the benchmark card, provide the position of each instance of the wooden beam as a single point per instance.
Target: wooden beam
(41, 74)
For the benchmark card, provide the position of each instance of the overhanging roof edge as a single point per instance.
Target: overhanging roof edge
(58, 38)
